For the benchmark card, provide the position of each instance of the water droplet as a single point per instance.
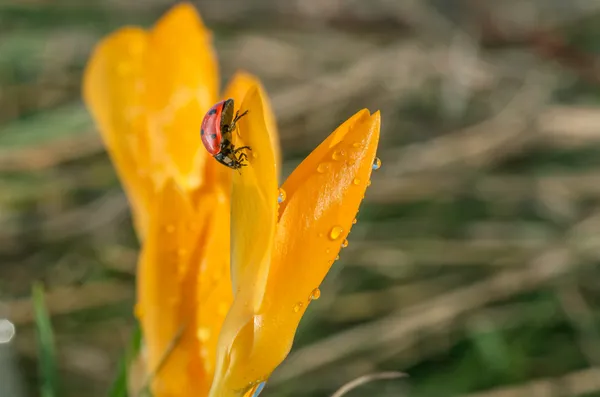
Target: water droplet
(124, 68)
(181, 268)
(315, 294)
(327, 251)
(376, 163)
(138, 311)
(203, 334)
(335, 232)
(354, 221)
(356, 181)
(344, 243)
(136, 48)
(356, 145)
(222, 308)
(254, 154)
(337, 155)
(297, 307)
(321, 235)
(7, 331)
(170, 229)
(281, 197)
(322, 168)
(368, 183)
(337, 258)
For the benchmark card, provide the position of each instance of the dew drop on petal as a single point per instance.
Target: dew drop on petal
(281, 197)
(356, 181)
(181, 268)
(337, 258)
(315, 294)
(124, 68)
(203, 334)
(356, 145)
(354, 221)
(322, 168)
(170, 229)
(327, 251)
(222, 308)
(204, 352)
(297, 307)
(321, 235)
(344, 243)
(136, 48)
(337, 155)
(368, 183)
(335, 232)
(376, 163)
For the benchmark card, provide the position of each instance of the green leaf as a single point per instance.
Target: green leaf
(119, 386)
(47, 364)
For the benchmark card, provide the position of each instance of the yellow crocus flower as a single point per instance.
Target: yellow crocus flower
(147, 91)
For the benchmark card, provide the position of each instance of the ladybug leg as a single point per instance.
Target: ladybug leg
(242, 148)
(237, 117)
(241, 156)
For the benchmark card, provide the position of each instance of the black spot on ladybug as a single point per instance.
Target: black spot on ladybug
(212, 111)
(201, 131)
(213, 136)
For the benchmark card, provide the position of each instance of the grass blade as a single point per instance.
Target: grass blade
(47, 364)
(119, 386)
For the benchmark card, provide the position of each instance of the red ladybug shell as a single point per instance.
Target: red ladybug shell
(210, 130)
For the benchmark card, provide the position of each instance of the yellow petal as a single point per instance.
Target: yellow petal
(315, 220)
(166, 286)
(214, 295)
(112, 91)
(237, 89)
(253, 198)
(181, 85)
(253, 217)
(312, 162)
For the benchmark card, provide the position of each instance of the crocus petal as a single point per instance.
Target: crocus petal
(111, 90)
(253, 198)
(181, 83)
(214, 295)
(166, 285)
(322, 201)
(237, 89)
(253, 218)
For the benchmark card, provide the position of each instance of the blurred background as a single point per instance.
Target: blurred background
(474, 263)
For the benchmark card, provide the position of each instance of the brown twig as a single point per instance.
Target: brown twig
(366, 379)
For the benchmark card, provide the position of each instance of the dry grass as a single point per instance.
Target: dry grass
(474, 264)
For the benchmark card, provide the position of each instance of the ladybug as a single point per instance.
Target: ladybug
(215, 132)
